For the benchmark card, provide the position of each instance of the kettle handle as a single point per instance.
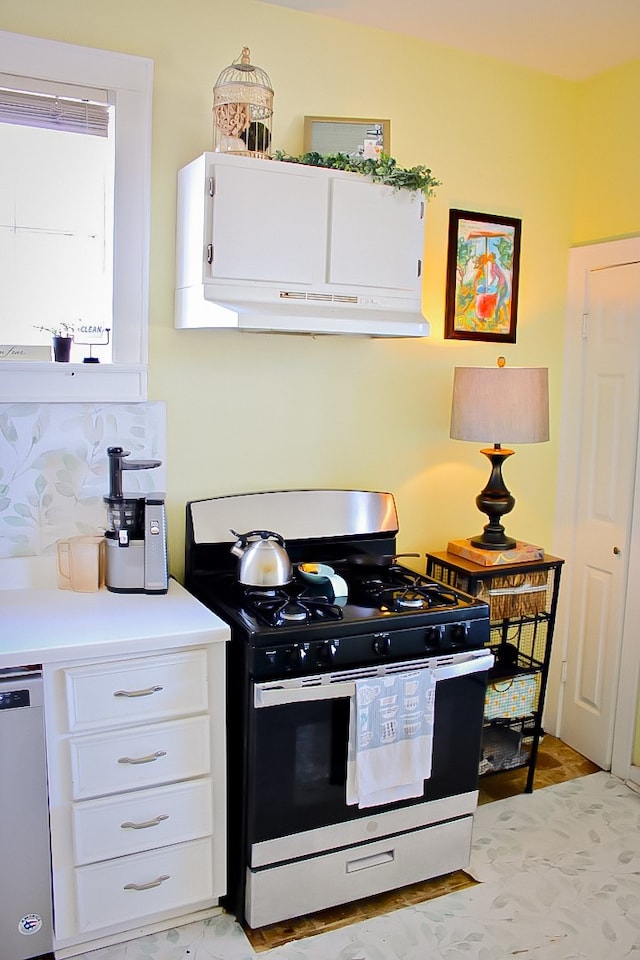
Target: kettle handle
(262, 534)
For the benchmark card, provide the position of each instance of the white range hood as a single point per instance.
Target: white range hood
(260, 309)
(271, 246)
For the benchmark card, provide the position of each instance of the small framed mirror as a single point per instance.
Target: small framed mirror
(355, 136)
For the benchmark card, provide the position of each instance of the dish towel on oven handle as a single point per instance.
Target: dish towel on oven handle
(390, 738)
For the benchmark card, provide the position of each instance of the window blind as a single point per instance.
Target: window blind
(54, 112)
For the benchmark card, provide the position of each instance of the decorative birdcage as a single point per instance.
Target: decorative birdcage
(243, 109)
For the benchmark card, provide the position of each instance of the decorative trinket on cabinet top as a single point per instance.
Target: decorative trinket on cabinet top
(243, 109)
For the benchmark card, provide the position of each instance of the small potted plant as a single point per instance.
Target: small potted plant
(62, 338)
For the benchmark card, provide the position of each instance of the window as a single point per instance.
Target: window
(56, 216)
(74, 216)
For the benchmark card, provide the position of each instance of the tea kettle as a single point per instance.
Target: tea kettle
(264, 562)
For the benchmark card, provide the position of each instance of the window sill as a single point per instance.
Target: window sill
(72, 382)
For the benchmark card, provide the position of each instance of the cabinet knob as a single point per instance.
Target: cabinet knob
(616, 551)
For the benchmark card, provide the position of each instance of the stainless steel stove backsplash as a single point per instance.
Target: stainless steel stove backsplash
(54, 470)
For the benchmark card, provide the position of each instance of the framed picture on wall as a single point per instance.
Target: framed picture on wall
(354, 136)
(482, 277)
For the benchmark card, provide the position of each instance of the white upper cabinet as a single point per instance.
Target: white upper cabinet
(268, 245)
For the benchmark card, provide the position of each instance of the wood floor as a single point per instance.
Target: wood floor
(556, 762)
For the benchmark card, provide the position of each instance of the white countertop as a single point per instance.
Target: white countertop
(44, 624)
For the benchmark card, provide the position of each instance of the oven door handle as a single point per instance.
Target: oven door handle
(465, 667)
(272, 695)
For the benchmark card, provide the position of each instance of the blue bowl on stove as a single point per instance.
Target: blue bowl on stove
(321, 574)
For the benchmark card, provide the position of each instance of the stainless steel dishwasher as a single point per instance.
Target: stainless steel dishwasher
(25, 875)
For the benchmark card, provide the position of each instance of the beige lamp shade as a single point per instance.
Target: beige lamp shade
(500, 404)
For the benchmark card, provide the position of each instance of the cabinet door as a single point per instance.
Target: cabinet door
(376, 236)
(268, 225)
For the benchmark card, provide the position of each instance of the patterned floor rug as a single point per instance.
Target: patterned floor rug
(559, 879)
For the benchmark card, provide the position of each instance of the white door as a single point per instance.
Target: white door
(602, 388)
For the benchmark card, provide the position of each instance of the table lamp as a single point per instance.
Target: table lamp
(499, 405)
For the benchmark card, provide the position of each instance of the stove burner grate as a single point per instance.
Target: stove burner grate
(411, 593)
(277, 608)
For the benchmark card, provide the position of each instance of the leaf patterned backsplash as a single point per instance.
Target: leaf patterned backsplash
(54, 470)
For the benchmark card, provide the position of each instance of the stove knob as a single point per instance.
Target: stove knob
(296, 656)
(458, 634)
(433, 636)
(325, 653)
(381, 644)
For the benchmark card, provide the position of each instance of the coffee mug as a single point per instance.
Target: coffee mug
(81, 562)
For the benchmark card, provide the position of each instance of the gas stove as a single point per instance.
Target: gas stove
(345, 616)
(390, 612)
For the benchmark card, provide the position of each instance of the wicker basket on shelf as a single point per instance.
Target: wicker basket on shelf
(522, 595)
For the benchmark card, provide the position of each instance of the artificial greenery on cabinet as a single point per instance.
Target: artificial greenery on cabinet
(382, 169)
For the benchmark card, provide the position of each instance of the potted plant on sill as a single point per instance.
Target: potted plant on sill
(62, 338)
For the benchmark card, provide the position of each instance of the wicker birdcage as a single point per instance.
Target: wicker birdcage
(243, 109)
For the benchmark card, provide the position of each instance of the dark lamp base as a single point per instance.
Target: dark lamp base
(496, 501)
(506, 543)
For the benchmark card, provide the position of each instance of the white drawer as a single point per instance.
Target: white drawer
(137, 691)
(107, 763)
(304, 886)
(143, 820)
(137, 887)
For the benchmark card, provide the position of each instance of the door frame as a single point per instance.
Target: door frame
(624, 730)
(581, 261)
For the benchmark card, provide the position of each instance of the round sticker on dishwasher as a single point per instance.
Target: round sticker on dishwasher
(30, 924)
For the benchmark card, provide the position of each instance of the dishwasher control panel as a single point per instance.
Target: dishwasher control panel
(14, 698)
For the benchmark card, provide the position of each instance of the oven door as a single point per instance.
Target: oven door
(297, 762)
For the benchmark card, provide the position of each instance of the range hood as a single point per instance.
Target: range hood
(271, 246)
(282, 311)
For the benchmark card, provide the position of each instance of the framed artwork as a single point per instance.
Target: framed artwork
(354, 136)
(482, 277)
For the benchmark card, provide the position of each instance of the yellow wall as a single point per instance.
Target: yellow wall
(607, 182)
(253, 412)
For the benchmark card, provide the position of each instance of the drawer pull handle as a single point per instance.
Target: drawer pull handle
(363, 863)
(137, 693)
(130, 825)
(146, 886)
(149, 759)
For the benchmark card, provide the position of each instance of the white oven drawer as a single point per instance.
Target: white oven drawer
(137, 887)
(314, 883)
(143, 820)
(107, 763)
(137, 691)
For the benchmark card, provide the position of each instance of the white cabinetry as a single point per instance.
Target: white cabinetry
(137, 792)
(269, 245)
